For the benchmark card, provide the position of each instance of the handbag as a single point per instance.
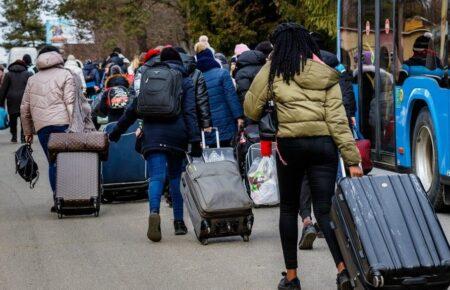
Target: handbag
(26, 167)
(365, 148)
(268, 124)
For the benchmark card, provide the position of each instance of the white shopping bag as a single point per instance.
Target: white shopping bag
(262, 178)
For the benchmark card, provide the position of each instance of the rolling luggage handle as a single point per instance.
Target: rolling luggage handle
(217, 138)
(342, 167)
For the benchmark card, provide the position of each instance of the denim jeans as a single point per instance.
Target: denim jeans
(316, 158)
(44, 136)
(161, 164)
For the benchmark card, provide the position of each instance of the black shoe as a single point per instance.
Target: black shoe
(309, 235)
(180, 228)
(53, 209)
(289, 285)
(14, 139)
(154, 227)
(343, 281)
(319, 231)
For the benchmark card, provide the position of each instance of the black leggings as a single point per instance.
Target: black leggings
(317, 158)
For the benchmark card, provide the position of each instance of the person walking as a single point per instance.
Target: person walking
(11, 91)
(165, 142)
(226, 111)
(248, 65)
(29, 63)
(91, 77)
(115, 79)
(312, 129)
(48, 103)
(73, 65)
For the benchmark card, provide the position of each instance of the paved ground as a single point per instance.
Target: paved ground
(38, 251)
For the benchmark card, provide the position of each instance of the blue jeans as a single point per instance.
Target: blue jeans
(44, 136)
(159, 165)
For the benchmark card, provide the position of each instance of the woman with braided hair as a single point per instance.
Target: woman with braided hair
(312, 127)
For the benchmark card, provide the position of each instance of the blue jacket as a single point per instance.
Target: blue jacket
(173, 135)
(224, 104)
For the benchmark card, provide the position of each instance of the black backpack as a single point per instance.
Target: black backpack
(25, 165)
(160, 92)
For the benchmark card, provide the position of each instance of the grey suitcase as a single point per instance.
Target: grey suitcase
(78, 189)
(216, 200)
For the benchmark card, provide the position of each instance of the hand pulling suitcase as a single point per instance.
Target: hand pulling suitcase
(217, 201)
(125, 172)
(218, 153)
(77, 183)
(389, 234)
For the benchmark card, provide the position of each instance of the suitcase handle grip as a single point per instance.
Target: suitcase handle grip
(215, 129)
(342, 167)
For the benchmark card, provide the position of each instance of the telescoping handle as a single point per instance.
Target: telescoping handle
(342, 166)
(216, 130)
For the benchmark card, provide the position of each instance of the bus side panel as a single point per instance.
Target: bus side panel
(437, 100)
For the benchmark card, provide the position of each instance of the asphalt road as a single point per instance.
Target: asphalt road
(38, 251)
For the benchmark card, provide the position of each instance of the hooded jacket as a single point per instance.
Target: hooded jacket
(13, 86)
(91, 75)
(169, 135)
(309, 106)
(248, 65)
(201, 92)
(49, 95)
(223, 100)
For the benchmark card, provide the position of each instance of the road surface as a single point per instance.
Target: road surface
(38, 251)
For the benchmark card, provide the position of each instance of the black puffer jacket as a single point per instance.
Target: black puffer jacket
(345, 82)
(200, 89)
(248, 65)
(13, 86)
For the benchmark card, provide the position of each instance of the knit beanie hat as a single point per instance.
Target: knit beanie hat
(169, 53)
(240, 48)
(151, 53)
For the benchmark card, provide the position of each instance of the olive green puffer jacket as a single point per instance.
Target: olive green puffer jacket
(309, 106)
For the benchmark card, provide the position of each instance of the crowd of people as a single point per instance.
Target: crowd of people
(314, 104)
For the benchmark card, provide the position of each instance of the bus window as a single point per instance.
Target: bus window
(419, 38)
(349, 35)
(385, 98)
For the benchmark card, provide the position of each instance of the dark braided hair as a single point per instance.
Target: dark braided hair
(292, 46)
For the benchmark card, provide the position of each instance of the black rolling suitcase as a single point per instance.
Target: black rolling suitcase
(389, 234)
(216, 200)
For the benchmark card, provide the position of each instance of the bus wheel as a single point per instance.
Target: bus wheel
(425, 159)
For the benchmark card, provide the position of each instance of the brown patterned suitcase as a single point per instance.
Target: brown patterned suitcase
(79, 142)
(78, 189)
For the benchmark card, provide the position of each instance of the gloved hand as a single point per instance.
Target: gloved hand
(196, 149)
(114, 136)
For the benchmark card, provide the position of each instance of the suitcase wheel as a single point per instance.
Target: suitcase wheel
(204, 242)
(60, 215)
(58, 205)
(245, 238)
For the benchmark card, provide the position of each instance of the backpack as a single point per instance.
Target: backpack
(160, 92)
(118, 98)
(4, 124)
(26, 167)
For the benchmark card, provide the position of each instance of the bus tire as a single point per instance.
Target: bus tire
(425, 158)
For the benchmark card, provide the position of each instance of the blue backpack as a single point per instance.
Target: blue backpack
(3, 119)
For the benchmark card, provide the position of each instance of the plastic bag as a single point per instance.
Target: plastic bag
(262, 178)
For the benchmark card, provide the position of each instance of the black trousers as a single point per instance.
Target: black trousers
(13, 125)
(305, 200)
(316, 158)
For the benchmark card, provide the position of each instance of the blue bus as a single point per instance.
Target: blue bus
(397, 52)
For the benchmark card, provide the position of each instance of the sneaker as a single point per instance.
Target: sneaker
(14, 139)
(309, 235)
(319, 232)
(180, 228)
(154, 227)
(289, 285)
(343, 281)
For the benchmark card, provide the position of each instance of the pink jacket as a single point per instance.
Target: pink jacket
(49, 95)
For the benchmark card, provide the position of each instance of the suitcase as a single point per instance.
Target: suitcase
(218, 153)
(78, 189)
(389, 234)
(216, 200)
(125, 172)
(78, 142)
